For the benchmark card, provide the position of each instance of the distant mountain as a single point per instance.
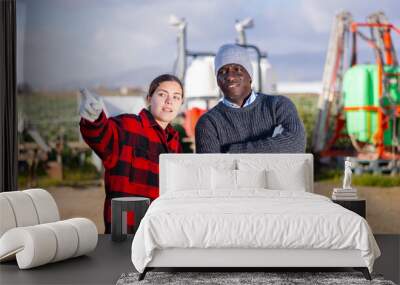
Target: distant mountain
(140, 77)
(291, 87)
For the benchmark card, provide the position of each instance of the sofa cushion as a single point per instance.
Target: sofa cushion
(45, 205)
(27, 208)
(67, 239)
(23, 208)
(7, 215)
(87, 233)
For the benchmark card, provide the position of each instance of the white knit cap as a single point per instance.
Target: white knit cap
(231, 53)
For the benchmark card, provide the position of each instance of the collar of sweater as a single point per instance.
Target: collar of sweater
(249, 100)
(251, 106)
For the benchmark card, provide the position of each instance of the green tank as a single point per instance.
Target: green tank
(360, 88)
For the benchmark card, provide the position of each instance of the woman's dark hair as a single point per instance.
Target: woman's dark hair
(160, 79)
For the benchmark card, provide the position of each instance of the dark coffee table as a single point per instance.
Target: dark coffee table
(119, 209)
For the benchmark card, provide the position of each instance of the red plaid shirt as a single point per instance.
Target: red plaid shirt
(129, 146)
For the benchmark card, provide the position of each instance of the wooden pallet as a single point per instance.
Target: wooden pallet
(378, 166)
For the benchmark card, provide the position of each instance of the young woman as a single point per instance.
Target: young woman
(129, 145)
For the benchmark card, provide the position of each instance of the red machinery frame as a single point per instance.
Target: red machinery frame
(381, 152)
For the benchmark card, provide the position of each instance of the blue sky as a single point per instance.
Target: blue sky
(67, 43)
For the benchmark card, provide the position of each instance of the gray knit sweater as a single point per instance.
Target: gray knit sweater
(249, 129)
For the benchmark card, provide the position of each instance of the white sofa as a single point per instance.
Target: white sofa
(31, 231)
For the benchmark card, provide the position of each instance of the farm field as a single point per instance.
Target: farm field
(53, 114)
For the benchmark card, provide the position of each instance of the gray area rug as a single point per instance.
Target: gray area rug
(225, 278)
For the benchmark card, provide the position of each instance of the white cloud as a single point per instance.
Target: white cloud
(86, 39)
(316, 14)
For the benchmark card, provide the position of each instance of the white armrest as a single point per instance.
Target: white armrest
(22, 207)
(33, 246)
(45, 206)
(40, 244)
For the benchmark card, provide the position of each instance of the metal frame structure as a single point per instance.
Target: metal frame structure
(331, 120)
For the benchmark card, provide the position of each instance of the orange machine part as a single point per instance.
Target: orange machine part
(191, 117)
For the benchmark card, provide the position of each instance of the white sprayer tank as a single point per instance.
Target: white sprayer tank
(268, 77)
(200, 82)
